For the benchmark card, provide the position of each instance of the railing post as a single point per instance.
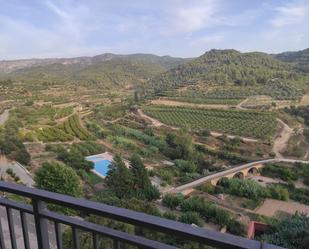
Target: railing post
(2, 245)
(40, 224)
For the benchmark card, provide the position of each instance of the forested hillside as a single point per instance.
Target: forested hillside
(114, 71)
(300, 59)
(105, 69)
(227, 67)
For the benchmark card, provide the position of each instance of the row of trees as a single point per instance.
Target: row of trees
(196, 208)
(302, 112)
(74, 156)
(285, 173)
(251, 189)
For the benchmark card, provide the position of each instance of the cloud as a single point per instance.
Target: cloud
(60, 12)
(50, 28)
(190, 16)
(290, 14)
(208, 40)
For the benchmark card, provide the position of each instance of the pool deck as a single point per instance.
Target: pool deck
(103, 156)
(97, 173)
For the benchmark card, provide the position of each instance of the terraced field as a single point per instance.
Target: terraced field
(255, 124)
(67, 131)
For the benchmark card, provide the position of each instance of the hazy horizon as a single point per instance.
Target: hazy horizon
(90, 56)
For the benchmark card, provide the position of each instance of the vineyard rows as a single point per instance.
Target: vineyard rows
(276, 90)
(243, 123)
(64, 132)
(63, 112)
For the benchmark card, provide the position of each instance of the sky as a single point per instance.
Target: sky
(184, 28)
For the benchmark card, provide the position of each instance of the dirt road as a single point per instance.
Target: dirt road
(282, 139)
(168, 102)
(239, 106)
(4, 116)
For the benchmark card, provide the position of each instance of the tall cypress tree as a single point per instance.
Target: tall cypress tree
(142, 184)
(140, 174)
(120, 178)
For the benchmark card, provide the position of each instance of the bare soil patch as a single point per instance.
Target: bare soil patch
(281, 141)
(305, 100)
(272, 207)
(180, 103)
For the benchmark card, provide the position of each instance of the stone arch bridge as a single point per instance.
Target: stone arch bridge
(240, 171)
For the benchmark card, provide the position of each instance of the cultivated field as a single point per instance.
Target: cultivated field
(243, 123)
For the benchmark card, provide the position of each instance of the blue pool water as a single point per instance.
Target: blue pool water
(100, 165)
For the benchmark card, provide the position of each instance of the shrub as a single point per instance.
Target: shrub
(278, 192)
(291, 232)
(9, 171)
(185, 166)
(190, 218)
(170, 215)
(278, 171)
(236, 227)
(206, 210)
(244, 188)
(207, 187)
(172, 201)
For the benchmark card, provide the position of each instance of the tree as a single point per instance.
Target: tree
(119, 178)
(73, 158)
(140, 174)
(185, 166)
(136, 97)
(10, 144)
(58, 178)
(291, 232)
(142, 184)
(185, 144)
(180, 146)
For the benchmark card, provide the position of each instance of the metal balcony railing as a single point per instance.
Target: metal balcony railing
(42, 216)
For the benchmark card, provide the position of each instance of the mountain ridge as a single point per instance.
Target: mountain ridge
(9, 66)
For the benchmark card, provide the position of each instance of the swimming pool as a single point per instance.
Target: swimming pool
(100, 164)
